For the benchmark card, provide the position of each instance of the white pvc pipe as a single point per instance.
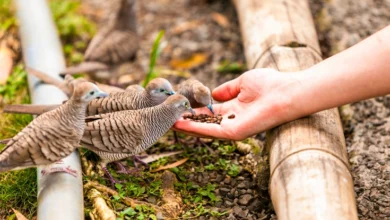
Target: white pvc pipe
(60, 195)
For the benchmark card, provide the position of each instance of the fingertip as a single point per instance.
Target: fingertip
(227, 91)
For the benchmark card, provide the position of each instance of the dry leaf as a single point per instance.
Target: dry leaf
(185, 26)
(195, 60)
(154, 157)
(6, 63)
(164, 73)
(19, 216)
(172, 165)
(220, 19)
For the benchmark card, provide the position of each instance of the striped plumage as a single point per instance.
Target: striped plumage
(118, 135)
(134, 97)
(51, 136)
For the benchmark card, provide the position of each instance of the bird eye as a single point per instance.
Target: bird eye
(92, 92)
(186, 104)
(162, 90)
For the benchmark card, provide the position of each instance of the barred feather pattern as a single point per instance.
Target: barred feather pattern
(47, 139)
(127, 100)
(128, 132)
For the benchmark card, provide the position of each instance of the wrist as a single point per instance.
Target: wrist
(295, 95)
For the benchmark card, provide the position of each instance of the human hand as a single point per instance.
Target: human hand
(260, 99)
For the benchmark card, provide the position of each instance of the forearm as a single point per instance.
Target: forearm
(358, 73)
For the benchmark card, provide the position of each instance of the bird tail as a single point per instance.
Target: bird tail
(5, 141)
(44, 77)
(29, 109)
(84, 67)
(4, 166)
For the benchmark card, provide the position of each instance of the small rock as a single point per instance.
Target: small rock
(227, 180)
(224, 191)
(245, 199)
(238, 211)
(241, 185)
(228, 203)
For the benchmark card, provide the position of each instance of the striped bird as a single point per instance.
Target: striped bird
(53, 135)
(118, 135)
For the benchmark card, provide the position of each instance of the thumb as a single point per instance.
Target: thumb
(228, 90)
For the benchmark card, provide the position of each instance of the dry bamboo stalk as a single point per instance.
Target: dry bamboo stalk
(310, 175)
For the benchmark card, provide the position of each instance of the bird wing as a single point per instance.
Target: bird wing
(38, 145)
(117, 47)
(118, 132)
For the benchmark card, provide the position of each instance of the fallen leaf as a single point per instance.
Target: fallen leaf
(19, 216)
(195, 60)
(6, 63)
(164, 73)
(185, 26)
(220, 19)
(154, 157)
(172, 165)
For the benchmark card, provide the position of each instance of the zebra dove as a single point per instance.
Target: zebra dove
(116, 41)
(198, 94)
(134, 97)
(118, 135)
(51, 136)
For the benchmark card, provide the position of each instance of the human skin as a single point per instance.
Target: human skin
(265, 98)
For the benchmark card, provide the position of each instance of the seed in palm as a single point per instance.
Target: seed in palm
(204, 118)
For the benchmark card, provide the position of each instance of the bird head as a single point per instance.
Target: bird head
(159, 89)
(85, 91)
(181, 103)
(202, 95)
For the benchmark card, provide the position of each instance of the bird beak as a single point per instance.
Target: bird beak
(170, 93)
(191, 110)
(101, 94)
(210, 107)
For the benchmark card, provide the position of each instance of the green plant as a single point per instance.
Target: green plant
(16, 82)
(226, 149)
(155, 53)
(7, 18)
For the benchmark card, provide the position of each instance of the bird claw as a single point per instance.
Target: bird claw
(124, 170)
(111, 178)
(137, 158)
(67, 170)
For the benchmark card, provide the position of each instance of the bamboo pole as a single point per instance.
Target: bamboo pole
(310, 175)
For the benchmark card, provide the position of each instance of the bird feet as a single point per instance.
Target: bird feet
(124, 170)
(137, 159)
(111, 178)
(67, 169)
